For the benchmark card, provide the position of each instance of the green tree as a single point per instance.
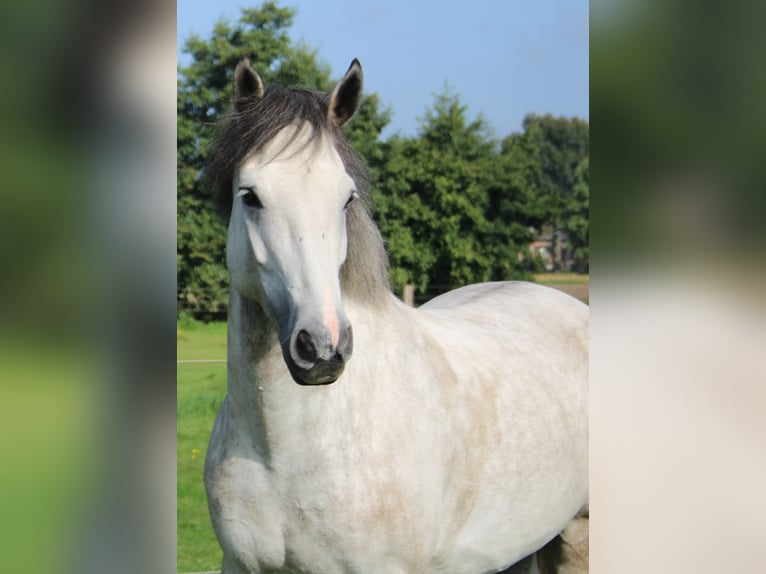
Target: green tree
(576, 218)
(515, 206)
(454, 206)
(204, 92)
(562, 144)
(449, 202)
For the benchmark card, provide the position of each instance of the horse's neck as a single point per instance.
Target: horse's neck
(252, 335)
(253, 353)
(265, 402)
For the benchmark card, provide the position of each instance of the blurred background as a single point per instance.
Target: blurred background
(87, 218)
(678, 384)
(87, 314)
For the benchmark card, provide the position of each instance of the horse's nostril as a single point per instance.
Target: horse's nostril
(346, 345)
(305, 347)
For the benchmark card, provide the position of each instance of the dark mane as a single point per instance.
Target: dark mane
(241, 132)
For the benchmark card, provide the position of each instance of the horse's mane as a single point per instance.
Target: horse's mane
(252, 126)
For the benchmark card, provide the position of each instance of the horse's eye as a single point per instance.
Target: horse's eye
(250, 198)
(351, 198)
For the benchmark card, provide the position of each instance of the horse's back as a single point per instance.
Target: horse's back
(516, 314)
(513, 293)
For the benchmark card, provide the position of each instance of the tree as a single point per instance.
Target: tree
(449, 202)
(562, 144)
(454, 206)
(576, 218)
(204, 92)
(515, 204)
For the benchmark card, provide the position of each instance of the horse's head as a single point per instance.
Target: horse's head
(287, 235)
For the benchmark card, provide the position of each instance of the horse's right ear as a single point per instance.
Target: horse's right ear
(247, 84)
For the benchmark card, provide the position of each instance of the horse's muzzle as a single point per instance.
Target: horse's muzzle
(312, 358)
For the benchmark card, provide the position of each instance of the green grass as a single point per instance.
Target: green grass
(562, 277)
(200, 391)
(201, 341)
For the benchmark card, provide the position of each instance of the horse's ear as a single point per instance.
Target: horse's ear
(346, 95)
(247, 84)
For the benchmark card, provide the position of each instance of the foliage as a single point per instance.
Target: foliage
(576, 217)
(454, 205)
(562, 143)
(451, 205)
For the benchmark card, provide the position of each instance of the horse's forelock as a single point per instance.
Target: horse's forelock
(246, 130)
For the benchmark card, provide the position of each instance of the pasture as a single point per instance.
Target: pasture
(200, 390)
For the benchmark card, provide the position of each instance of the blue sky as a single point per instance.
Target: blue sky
(505, 58)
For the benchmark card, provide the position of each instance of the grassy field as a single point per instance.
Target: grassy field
(201, 388)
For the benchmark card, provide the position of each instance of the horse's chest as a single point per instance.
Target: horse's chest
(320, 515)
(343, 516)
(322, 528)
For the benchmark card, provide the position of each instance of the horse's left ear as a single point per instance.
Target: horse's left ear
(346, 95)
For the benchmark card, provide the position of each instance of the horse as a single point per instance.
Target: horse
(359, 434)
